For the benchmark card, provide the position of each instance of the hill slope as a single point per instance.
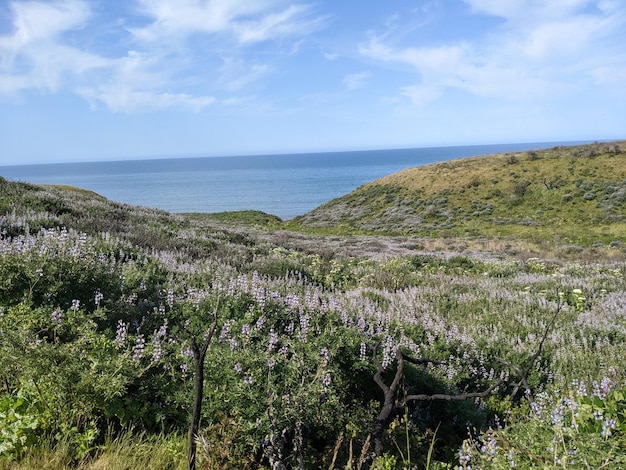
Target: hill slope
(572, 194)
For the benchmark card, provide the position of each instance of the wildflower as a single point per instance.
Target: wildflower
(273, 340)
(140, 345)
(237, 368)
(156, 351)
(75, 305)
(159, 335)
(304, 325)
(607, 426)
(271, 363)
(225, 333)
(326, 381)
(120, 334)
(490, 448)
(464, 457)
(557, 416)
(362, 352)
(325, 355)
(57, 316)
(98, 298)
(247, 380)
(186, 352)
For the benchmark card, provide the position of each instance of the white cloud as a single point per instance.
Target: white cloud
(356, 80)
(138, 82)
(44, 21)
(125, 100)
(35, 54)
(53, 46)
(532, 55)
(422, 95)
(519, 11)
(235, 73)
(247, 21)
(289, 22)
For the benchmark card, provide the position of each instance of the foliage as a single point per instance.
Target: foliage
(571, 195)
(100, 303)
(577, 429)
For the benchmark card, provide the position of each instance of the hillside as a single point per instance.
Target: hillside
(569, 194)
(124, 330)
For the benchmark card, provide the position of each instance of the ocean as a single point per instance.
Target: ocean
(283, 185)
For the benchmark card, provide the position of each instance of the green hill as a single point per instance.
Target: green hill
(568, 194)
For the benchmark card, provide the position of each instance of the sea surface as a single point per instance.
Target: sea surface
(283, 185)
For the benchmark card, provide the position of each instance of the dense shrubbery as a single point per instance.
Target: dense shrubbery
(483, 362)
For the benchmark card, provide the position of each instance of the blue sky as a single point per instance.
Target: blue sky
(85, 80)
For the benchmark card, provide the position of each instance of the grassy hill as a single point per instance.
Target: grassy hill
(573, 195)
(321, 349)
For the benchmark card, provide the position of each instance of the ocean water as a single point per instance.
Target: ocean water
(283, 185)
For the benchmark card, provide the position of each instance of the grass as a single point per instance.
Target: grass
(126, 451)
(564, 195)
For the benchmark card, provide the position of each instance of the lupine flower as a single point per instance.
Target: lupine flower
(57, 316)
(140, 345)
(325, 355)
(304, 325)
(120, 335)
(272, 341)
(490, 447)
(607, 427)
(225, 333)
(75, 305)
(464, 456)
(159, 335)
(326, 381)
(157, 350)
(237, 368)
(98, 297)
(512, 462)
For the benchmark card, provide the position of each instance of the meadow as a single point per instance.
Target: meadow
(134, 338)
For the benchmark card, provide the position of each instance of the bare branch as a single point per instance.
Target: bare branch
(447, 397)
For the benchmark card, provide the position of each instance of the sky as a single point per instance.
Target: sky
(93, 80)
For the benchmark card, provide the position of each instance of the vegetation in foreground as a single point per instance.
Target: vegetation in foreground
(326, 352)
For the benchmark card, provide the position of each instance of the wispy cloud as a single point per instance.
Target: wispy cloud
(531, 55)
(235, 73)
(53, 46)
(354, 81)
(36, 55)
(247, 22)
(140, 82)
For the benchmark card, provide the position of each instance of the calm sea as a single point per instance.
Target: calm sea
(283, 185)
